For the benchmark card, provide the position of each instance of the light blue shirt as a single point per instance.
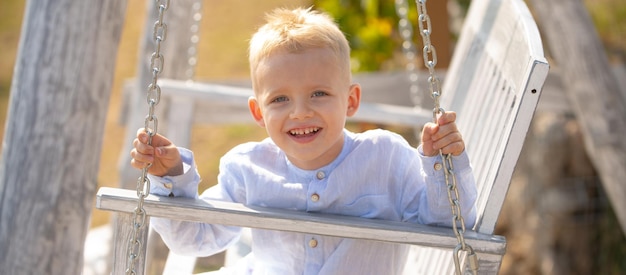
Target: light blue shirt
(377, 175)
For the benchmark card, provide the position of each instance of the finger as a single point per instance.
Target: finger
(157, 139)
(447, 139)
(429, 130)
(142, 135)
(142, 148)
(170, 151)
(446, 117)
(450, 144)
(445, 130)
(455, 148)
(138, 164)
(140, 157)
(427, 140)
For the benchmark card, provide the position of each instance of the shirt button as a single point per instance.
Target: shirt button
(313, 243)
(438, 166)
(168, 185)
(315, 197)
(320, 175)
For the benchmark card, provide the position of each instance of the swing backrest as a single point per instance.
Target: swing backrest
(494, 82)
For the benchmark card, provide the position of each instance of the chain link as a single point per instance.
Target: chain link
(458, 223)
(153, 96)
(408, 48)
(192, 51)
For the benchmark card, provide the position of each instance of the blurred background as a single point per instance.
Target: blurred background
(583, 239)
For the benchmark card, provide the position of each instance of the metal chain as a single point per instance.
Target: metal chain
(458, 223)
(150, 126)
(408, 48)
(192, 59)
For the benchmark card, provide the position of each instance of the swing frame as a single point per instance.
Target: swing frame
(498, 60)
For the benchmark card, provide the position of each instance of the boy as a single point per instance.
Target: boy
(300, 68)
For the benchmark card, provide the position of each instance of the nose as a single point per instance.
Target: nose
(301, 110)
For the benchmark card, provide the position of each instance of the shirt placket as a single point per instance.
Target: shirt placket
(312, 243)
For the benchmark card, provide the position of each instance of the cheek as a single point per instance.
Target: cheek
(271, 121)
(338, 108)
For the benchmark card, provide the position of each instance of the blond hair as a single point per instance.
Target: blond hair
(294, 31)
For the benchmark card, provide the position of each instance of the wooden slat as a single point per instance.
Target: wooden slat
(428, 260)
(497, 65)
(494, 83)
(217, 212)
(230, 102)
(121, 236)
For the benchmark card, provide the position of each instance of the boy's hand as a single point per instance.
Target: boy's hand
(163, 155)
(444, 136)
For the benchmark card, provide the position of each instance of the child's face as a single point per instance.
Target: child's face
(303, 99)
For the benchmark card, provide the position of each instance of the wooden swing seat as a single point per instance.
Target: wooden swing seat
(493, 83)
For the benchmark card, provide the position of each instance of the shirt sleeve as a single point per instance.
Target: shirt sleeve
(185, 185)
(189, 238)
(434, 205)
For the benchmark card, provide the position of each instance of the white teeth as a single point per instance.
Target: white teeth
(304, 131)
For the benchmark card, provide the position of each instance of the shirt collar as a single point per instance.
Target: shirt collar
(348, 142)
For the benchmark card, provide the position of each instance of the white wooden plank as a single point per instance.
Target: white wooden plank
(498, 65)
(392, 115)
(231, 103)
(428, 260)
(121, 236)
(499, 47)
(179, 120)
(518, 130)
(218, 212)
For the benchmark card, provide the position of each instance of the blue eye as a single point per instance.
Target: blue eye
(279, 99)
(319, 93)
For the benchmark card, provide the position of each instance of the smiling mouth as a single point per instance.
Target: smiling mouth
(304, 131)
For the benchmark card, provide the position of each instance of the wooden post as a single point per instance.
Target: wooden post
(59, 99)
(179, 18)
(122, 226)
(592, 89)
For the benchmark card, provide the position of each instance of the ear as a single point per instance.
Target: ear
(354, 99)
(255, 110)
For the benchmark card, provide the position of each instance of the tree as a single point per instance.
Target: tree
(592, 90)
(59, 98)
(372, 30)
